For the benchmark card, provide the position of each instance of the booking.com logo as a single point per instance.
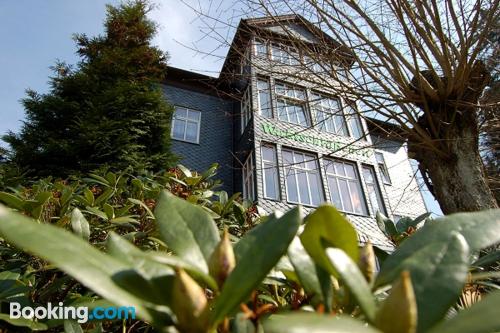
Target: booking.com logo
(80, 314)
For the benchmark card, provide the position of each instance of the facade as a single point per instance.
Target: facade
(283, 140)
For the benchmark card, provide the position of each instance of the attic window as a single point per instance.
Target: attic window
(261, 48)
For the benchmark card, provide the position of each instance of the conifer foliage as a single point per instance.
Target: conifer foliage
(106, 110)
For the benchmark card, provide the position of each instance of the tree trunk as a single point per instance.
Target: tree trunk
(459, 181)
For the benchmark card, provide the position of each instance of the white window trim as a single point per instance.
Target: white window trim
(294, 100)
(198, 122)
(294, 169)
(268, 83)
(349, 180)
(384, 164)
(317, 107)
(275, 166)
(378, 189)
(248, 175)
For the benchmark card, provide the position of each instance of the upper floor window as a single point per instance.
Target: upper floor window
(355, 126)
(329, 116)
(374, 192)
(248, 178)
(345, 187)
(261, 48)
(246, 108)
(290, 103)
(270, 172)
(303, 182)
(264, 97)
(382, 167)
(186, 125)
(284, 54)
(313, 65)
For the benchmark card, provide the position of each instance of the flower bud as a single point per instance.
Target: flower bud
(189, 303)
(222, 261)
(367, 262)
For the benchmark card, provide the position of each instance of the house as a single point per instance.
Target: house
(282, 139)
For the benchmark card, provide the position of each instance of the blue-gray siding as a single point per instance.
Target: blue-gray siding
(216, 133)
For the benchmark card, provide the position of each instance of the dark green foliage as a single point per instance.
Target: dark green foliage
(109, 109)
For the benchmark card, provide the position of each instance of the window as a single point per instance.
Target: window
(382, 167)
(345, 188)
(248, 178)
(261, 48)
(329, 117)
(374, 192)
(354, 122)
(313, 65)
(186, 125)
(264, 96)
(246, 108)
(285, 55)
(303, 182)
(270, 172)
(290, 103)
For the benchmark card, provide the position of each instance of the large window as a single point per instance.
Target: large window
(264, 96)
(345, 187)
(246, 108)
(354, 122)
(284, 54)
(248, 178)
(270, 172)
(261, 48)
(382, 167)
(290, 103)
(329, 116)
(303, 182)
(186, 125)
(373, 188)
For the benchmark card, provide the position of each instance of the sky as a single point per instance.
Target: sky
(34, 34)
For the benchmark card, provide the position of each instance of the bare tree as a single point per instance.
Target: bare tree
(417, 64)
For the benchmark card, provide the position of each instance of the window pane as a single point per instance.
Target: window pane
(191, 132)
(178, 131)
(271, 181)
(291, 185)
(316, 192)
(379, 157)
(194, 115)
(329, 167)
(349, 170)
(303, 187)
(287, 157)
(344, 193)
(334, 191)
(268, 153)
(339, 169)
(356, 198)
(282, 115)
(299, 160)
(180, 113)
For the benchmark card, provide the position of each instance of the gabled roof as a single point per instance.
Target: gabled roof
(251, 25)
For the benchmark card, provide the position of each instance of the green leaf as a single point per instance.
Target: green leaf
(256, 253)
(315, 323)
(401, 300)
(72, 255)
(480, 230)
(89, 196)
(482, 317)
(326, 227)
(488, 259)
(306, 271)
(21, 322)
(386, 225)
(12, 201)
(79, 224)
(186, 229)
(109, 210)
(108, 193)
(71, 326)
(184, 170)
(143, 205)
(344, 267)
(439, 271)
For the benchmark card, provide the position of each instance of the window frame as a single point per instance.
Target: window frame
(383, 169)
(246, 109)
(261, 42)
(292, 101)
(294, 169)
(269, 91)
(364, 206)
(276, 169)
(186, 120)
(248, 176)
(353, 116)
(319, 108)
(377, 188)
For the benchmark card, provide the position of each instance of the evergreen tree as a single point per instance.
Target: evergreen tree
(108, 110)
